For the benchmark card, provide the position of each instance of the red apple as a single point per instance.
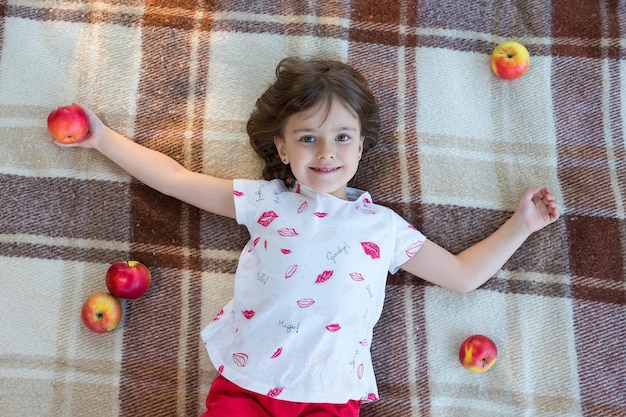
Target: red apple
(68, 124)
(101, 312)
(128, 279)
(510, 60)
(478, 353)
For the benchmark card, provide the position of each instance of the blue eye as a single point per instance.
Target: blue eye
(307, 139)
(342, 138)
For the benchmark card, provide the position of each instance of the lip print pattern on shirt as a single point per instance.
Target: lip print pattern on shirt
(267, 218)
(335, 327)
(248, 314)
(365, 210)
(240, 359)
(291, 271)
(305, 302)
(412, 250)
(287, 232)
(217, 316)
(324, 276)
(357, 276)
(274, 392)
(371, 249)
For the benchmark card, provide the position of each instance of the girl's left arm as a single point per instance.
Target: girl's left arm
(472, 267)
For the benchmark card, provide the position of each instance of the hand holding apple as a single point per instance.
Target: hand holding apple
(510, 60)
(68, 124)
(478, 353)
(129, 279)
(101, 312)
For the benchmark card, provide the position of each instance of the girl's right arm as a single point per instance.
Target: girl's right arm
(159, 171)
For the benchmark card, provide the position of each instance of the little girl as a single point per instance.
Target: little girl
(309, 288)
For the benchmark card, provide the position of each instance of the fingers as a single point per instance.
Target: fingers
(93, 118)
(86, 109)
(542, 193)
(544, 196)
(542, 202)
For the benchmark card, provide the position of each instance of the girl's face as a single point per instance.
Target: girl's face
(323, 146)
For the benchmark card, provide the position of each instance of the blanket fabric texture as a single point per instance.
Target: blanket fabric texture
(458, 148)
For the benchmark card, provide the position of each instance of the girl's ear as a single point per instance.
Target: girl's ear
(280, 147)
(361, 146)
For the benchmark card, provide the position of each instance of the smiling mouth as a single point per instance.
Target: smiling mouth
(325, 170)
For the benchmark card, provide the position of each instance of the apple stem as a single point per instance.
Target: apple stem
(99, 316)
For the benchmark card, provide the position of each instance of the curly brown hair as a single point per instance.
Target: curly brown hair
(299, 85)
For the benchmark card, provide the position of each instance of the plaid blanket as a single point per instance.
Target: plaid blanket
(458, 148)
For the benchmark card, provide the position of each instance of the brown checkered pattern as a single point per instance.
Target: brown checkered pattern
(458, 148)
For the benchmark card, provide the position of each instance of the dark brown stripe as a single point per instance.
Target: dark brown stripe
(615, 10)
(221, 233)
(600, 344)
(379, 174)
(376, 12)
(64, 207)
(152, 345)
(515, 286)
(156, 220)
(280, 8)
(422, 386)
(62, 15)
(596, 247)
(169, 21)
(411, 94)
(376, 37)
(582, 21)
(390, 356)
(369, 21)
(3, 14)
(456, 228)
(195, 322)
(149, 374)
(456, 15)
(290, 29)
(42, 251)
(454, 44)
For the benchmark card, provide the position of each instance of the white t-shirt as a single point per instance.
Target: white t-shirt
(309, 288)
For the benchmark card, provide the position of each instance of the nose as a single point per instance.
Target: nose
(326, 150)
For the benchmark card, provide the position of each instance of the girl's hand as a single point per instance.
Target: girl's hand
(537, 208)
(96, 128)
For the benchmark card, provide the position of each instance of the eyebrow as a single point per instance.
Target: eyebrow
(341, 129)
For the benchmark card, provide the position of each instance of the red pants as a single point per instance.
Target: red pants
(227, 399)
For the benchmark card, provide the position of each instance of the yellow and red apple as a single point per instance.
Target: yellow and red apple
(478, 353)
(68, 124)
(128, 279)
(101, 312)
(510, 60)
